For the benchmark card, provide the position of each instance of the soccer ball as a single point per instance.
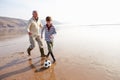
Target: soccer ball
(47, 64)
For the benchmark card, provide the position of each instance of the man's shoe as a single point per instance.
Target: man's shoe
(42, 52)
(43, 55)
(28, 51)
(29, 58)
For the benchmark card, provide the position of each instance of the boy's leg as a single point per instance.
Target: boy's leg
(32, 45)
(52, 51)
(40, 46)
(50, 46)
(53, 56)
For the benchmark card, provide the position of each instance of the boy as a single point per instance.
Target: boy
(49, 35)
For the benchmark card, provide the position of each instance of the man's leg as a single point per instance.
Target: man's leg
(40, 46)
(32, 45)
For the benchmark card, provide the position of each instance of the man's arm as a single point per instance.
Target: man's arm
(42, 31)
(28, 27)
(41, 26)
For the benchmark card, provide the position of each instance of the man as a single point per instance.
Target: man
(33, 28)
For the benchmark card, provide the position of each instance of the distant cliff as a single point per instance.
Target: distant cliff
(6, 22)
(13, 26)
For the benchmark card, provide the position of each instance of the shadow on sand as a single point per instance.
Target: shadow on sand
(25, 69)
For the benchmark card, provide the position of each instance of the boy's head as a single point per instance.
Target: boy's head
(48, 20)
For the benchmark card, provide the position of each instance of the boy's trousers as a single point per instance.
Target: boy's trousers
(50, 47)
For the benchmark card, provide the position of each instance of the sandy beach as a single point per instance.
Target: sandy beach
(82, 53)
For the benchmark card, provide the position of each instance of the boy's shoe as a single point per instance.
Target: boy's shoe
(54, 61)
(48, 54)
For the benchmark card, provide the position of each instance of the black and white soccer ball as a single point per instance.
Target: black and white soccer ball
(47, 64)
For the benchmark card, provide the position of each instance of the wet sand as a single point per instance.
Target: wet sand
(82, 53)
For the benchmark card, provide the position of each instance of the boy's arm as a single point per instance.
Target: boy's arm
(54, 31)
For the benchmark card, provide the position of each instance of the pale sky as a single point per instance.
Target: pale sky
(72, 11)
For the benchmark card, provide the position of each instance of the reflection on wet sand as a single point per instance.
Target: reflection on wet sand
(82, 53)
(6, 33)
(21, 68)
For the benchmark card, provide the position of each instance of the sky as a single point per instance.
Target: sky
(84, 12)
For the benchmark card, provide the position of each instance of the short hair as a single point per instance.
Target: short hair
(48, 18)
(34, 11)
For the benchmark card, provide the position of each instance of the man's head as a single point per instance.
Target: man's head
(48, 20)
(35, 14)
